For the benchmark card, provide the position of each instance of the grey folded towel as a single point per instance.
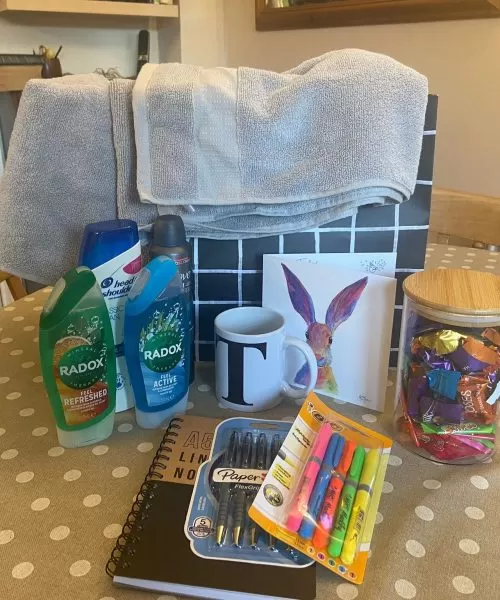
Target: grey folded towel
(60, 175)
(259, 153)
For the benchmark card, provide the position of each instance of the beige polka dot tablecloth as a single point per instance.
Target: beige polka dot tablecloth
(439, 256)
(61, 510)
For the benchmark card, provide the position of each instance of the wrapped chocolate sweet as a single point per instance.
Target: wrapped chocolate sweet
(473, 392)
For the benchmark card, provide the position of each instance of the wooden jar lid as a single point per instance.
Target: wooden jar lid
(455, 290)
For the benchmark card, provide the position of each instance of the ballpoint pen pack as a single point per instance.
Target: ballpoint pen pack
(322, 491)
(217, 522)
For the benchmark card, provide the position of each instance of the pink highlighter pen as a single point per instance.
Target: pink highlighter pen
(299, 508)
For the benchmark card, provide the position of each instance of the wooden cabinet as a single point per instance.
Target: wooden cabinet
(306, 14)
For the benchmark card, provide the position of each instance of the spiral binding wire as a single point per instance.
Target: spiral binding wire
(124, 549)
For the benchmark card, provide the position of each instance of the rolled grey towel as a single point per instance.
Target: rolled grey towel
(256, 152)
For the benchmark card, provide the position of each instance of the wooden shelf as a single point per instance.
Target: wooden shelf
(92, 7)
(14, 78)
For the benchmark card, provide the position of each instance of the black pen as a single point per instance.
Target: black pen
(240, 498)
(260, 463)
(230, 458)
(275, 448)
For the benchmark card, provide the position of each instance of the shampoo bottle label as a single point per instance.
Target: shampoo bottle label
(80, 366)
(162, 354)
(116, 278)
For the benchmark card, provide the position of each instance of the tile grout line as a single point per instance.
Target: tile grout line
(196, 303)
(352, 239)
(396, 228)
(240, 274)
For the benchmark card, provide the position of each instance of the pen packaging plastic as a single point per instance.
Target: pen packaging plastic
(217, 522)
(322, 491)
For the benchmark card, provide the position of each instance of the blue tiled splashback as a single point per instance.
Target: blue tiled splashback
(229, 273)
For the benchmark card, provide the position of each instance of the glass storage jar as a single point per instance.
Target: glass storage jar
(449, 365)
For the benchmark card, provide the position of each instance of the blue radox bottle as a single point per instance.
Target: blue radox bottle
(157, 343)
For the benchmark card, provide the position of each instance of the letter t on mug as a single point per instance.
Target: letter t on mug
(250, 357)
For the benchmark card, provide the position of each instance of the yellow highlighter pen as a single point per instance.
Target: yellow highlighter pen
(361, 502)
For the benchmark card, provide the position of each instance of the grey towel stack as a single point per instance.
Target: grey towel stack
(257, 153)
(236, 152)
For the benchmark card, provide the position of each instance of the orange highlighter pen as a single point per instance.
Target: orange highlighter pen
(325, 520)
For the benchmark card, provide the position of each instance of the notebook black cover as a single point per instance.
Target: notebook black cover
(154, 547)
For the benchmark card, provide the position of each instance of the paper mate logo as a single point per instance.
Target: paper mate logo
(81, 367)
(163, 351)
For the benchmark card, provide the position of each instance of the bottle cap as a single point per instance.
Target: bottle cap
(169, 231)
(104, 240)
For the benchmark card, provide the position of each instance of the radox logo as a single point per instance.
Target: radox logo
(163, 351)
(81, 367)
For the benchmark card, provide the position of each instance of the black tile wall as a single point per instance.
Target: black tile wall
(374, 241)
(376, 216)
(217, 254)
(334, 241)
(251, 287)
(426, 164)
(229, 273)
(297, 243)
(255, 248)
(411, 249)
(416, 212)
(218, 286)
(206, 317)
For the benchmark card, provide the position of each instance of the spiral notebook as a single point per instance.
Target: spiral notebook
(153, 553)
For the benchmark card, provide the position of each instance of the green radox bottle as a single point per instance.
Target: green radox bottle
(77, 354)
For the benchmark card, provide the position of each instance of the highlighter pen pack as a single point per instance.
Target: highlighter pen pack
(322, 491)
(217, 522)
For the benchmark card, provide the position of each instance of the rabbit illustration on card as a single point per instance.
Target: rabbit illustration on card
(319, 335)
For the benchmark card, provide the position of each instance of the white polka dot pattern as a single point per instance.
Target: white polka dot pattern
(415, 548)
(424, 513)
(474, 513)
(481, 483)
(432, 484)
(23, 570)
(13, 396)
(80, 568)
(463, 584)
(92, 500)
(25, 477)
(395, 461)
(40, 504)
(72, 475)
(39, 431)
(468, 546)
(387, 487)
(405, 589)
(125, 427)
(100, 450)
(9, 454)
(59, 533)
(347, 591)
(112, 531)
(56, 451)
(6, 536)
(145, 447)
(120, 472)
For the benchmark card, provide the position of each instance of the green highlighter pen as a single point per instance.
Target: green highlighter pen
(346, 502)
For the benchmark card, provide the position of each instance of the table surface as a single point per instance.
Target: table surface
(61, 510)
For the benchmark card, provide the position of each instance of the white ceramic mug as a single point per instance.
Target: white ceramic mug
(250, 344)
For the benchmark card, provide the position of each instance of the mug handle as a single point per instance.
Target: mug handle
(294, 392)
